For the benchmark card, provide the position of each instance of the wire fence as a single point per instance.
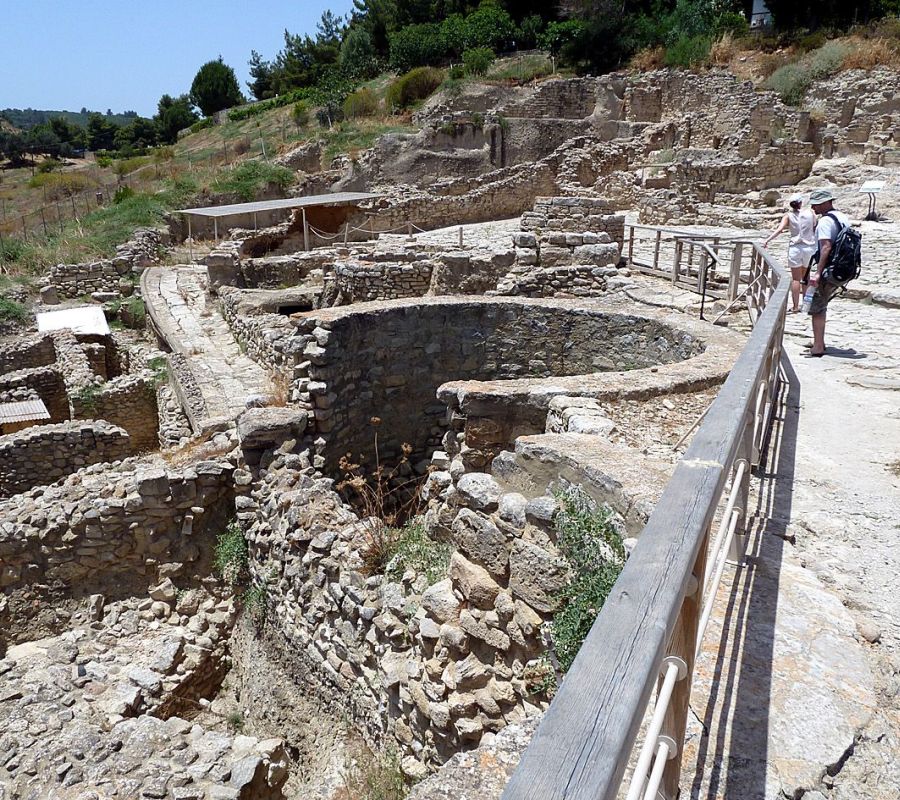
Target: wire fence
(69, 206)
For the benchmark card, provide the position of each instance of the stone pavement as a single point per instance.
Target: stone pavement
(802, 696)
(188, 320)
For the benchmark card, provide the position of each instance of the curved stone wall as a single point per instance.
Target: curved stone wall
(387, 360)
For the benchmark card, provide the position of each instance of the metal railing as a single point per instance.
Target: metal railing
(650, 629)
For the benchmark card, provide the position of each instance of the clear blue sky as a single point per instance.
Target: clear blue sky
(125, 55)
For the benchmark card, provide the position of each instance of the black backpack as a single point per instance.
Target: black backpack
(846, 254)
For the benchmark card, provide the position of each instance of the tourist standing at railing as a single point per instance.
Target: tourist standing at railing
(802, 247)
(831, 222)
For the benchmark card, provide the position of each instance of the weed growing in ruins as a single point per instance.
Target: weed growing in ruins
(159, 366)
(411, 547)
(88, 397)
(134, 312)
(385, 497)
(592, 547)
(235, 720)
(374, 777)
(255, 602)
(230, 558)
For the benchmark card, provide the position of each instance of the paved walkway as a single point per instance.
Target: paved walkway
(192, 326)
(798, 687)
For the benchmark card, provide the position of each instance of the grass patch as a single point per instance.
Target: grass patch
(353, 137)
(521, 70)
(230, 557)
(592, 547)
(96, 235)
(249, 178)
(374, 777)
(11, 311)
(410, 547)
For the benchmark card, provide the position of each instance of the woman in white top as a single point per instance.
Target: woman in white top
(802, 246)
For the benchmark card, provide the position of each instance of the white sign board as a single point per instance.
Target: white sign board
(86, 320)
(871, 187)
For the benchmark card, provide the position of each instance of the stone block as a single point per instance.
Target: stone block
(475, 582)
(535, 575)
(479, 539)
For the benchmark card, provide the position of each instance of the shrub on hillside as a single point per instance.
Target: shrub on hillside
(478, 60)
(300, 114)
(362, 103)
(688, 51)
(417, 84)
(791, 81)
(416, 46)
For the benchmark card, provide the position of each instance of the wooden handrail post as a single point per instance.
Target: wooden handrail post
(734, 277)
(676, 262)
(656, 250)
(630, 245)
(683, 643)
(739, 542)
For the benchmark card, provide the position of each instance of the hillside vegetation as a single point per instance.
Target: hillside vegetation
(359, 79)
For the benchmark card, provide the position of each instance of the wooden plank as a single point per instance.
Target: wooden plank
(683, 643)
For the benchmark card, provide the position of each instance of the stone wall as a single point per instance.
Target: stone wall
(45, 383)
(387, 360)
(129, 402)
(358, 282)
(575, 215)
(110, 275)
(107, 530)
(423, 663)
(266, 338)
(43, 454)
(36, 351)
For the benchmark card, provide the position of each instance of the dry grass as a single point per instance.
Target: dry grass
(197, 449)
(279, 389)
(649, 58)
(723, 50)
(871, 53)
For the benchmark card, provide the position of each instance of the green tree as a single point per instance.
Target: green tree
(261, 72)
(173, 115)
(358, 57)
(490, 26)
(417, 46)
(101, 132)
(215, 87)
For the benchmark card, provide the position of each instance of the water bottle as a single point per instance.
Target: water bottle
(807, 299)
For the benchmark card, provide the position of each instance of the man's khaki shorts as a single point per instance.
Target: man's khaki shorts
(825, 291)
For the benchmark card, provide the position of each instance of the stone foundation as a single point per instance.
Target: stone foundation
(43, 454)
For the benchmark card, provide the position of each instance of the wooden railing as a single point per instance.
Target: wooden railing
(716, 265)
(651, 626)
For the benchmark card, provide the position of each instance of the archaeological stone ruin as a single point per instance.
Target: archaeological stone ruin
(199, 598)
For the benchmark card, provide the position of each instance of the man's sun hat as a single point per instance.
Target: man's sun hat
(795, 198)
(820, 196)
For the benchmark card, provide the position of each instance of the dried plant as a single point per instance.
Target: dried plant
(384, 496)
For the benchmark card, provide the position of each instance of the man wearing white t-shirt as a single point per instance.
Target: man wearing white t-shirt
(831, 223)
